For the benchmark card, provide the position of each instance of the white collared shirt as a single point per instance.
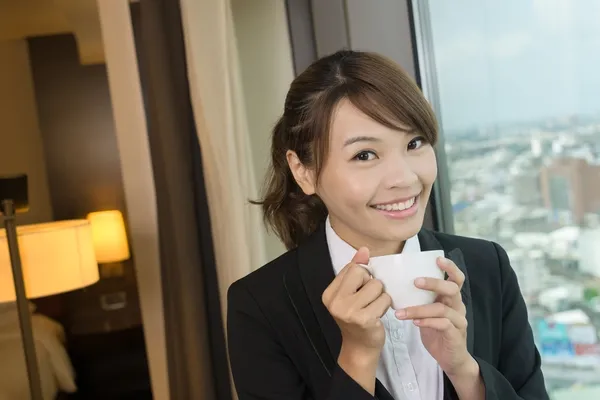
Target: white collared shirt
(405, 368)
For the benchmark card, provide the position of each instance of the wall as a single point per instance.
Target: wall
(267, 71)
(77, 129)
(20, 137)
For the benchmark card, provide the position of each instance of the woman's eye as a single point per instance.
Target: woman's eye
(416, 143)
(366, 155)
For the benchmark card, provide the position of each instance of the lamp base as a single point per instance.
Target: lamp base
(33, 372)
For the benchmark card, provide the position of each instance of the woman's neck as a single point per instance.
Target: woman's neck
(376, 247)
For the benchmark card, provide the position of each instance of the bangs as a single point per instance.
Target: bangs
(408, 112)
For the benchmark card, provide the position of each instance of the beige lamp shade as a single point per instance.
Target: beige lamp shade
(56, 257)
(110, 238)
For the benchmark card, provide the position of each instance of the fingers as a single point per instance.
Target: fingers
(454, 273)
(368, 293)
(353, 280)
(346, 284)
(439, 286)
(433, 311)
(333, 287)
(379, 306)
(439, 324)
(369, 316)
(361, 256)
(454, 303)
(364, 307)
(448, 291)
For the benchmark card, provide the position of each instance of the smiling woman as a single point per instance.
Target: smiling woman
(352, 170)
(335, 103)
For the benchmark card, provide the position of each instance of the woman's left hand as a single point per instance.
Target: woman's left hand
(443, 324)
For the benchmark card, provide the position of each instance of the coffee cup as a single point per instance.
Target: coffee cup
(398, 272)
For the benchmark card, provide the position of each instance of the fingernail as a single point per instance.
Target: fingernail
(417, 321)
(401, 313)
(420, 282)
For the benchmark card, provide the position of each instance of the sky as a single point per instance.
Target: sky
(503, 61)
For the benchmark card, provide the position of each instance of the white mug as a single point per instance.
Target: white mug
(398, 272)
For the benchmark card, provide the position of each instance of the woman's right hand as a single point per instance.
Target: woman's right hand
(357, 302)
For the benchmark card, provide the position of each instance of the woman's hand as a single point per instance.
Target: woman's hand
(443, 327)
(443, 324)
(357, 302)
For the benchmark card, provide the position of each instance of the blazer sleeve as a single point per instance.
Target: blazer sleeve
(260, 367)
(519, 374)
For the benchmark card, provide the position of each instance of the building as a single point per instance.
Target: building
(526, 189)
(571, 184)
(589, 251)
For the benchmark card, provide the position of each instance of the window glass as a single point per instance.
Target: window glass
(519, 97)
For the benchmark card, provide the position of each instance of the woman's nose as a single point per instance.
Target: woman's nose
(400, 174)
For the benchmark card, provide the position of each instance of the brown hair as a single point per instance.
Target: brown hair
(375, 85)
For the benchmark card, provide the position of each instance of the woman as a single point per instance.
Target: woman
(352, 170)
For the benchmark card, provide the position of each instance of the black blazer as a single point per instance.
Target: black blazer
(283, 343)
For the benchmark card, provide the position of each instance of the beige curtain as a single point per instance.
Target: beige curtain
(136, 166)
(215, 85)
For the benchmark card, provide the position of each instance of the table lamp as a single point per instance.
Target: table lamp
(110, 241)
(39, 260)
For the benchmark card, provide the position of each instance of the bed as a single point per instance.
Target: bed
(56, 370)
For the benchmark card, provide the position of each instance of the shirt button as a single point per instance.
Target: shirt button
(410, 387)
(397, 334)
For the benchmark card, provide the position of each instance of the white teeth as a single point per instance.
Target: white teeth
(396, 206)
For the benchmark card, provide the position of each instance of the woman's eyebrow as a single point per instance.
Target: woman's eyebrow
(357, 139)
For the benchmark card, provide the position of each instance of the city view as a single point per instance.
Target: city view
(519, 108)
(535, 190)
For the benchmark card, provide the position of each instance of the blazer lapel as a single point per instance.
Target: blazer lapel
(317, 273)
(305, 284)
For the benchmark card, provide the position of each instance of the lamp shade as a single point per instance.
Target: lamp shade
(110, 239)
(56, 257)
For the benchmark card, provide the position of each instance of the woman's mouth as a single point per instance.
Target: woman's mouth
(399, 209)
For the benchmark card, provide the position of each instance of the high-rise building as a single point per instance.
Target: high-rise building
(588, 245)
(589, 251)
(526, 190)
(571, 184)
(536, 147)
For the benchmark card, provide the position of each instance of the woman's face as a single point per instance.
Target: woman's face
(375, 181)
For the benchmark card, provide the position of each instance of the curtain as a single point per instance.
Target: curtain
(218, 106)
(196, 353)
(138, 180)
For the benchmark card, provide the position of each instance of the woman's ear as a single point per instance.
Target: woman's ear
(304, 176)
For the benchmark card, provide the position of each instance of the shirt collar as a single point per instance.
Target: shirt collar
(341, 253)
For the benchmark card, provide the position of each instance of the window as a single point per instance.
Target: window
(517, 92)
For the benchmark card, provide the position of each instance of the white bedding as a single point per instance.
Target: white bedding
(56, 370)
